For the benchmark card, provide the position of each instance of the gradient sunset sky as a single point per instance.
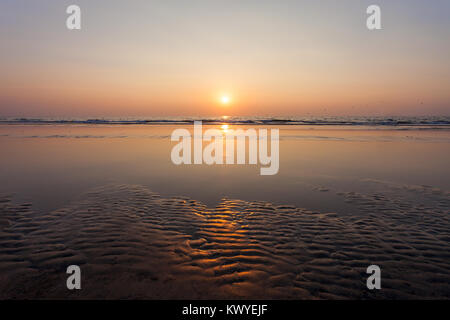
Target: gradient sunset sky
(175, 58)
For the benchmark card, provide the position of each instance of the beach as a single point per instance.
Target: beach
(107, 197)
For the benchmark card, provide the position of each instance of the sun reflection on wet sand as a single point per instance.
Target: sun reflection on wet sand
(225, 128)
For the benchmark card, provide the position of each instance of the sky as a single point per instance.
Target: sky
(181, 58)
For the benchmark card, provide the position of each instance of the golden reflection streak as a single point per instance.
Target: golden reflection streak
(225, 128)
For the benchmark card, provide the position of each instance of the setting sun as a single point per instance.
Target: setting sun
(225, 99)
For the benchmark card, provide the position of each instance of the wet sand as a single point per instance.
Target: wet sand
(132, 241)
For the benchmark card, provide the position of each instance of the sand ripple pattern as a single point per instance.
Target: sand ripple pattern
(132, 243)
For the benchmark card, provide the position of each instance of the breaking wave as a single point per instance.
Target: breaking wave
(443, 121)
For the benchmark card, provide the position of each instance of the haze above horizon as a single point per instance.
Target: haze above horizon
(210, 58)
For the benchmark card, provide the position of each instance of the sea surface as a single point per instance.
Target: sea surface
(350, 121)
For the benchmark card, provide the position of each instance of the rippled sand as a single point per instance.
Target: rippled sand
(132, 243)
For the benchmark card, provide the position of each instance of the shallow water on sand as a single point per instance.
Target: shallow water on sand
(49, 165)
(110, 200)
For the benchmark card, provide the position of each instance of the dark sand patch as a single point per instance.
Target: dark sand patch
(131, 243)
